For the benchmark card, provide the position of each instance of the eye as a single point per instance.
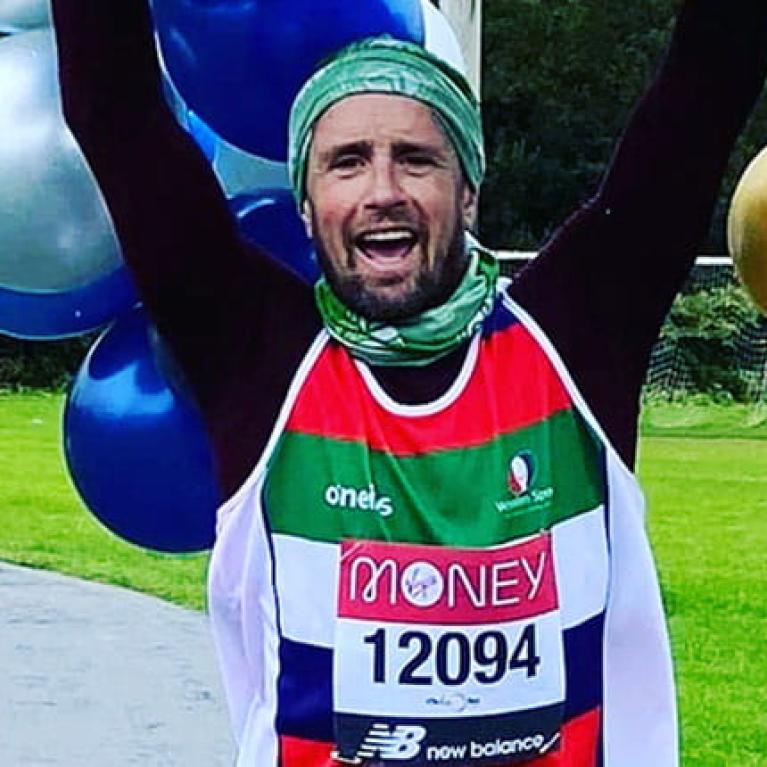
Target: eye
(346, 163)
(418, 161)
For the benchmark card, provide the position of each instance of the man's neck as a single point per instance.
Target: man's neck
(421, 385)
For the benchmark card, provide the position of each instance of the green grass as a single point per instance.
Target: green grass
(703, 419)
(44, 524)
(708, 519)
(704, 469)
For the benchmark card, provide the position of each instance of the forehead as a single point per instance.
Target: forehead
(375, 117)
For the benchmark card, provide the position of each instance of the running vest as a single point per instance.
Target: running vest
(463, 583)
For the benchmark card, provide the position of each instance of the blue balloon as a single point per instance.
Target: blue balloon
(269, 219)
(137, 450)
(43, 316)
(239, 63)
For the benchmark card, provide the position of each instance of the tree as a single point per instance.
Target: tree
(560, 77)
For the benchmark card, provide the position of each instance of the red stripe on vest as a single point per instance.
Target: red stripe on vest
(580, 743)
(510, 362)
(297, 752)
(580, 740)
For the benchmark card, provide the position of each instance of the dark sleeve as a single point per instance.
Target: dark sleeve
(237, 323)
(213, 297)
(603, 284)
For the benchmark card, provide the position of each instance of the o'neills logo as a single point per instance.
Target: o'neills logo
(362, 499)
(387, 581)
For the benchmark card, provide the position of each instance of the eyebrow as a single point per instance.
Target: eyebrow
(407, 147)
(365, 149)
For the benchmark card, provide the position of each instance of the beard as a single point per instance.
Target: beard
(432, 284)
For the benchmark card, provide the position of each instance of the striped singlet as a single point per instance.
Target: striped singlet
(462, 583)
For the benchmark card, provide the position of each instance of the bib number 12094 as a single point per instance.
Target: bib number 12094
(453, 657)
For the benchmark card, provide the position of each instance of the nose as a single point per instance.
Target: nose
(385, 190)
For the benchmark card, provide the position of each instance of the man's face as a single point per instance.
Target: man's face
(387, 205)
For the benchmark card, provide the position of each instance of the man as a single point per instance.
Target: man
(439, 557)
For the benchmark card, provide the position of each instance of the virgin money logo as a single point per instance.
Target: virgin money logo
(422, 584)
(412, 583)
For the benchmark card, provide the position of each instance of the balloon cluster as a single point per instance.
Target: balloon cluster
(134, 442)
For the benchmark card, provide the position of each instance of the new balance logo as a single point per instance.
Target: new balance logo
(401, 742)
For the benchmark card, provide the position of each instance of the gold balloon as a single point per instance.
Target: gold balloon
(747, 230)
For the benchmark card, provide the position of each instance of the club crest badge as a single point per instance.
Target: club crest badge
(521, 473)
(527, 489)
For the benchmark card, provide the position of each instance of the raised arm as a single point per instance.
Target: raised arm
(213, 298)
(604, 282)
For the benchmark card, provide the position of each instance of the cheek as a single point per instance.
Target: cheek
(328, 225)
(438, 202)
(333, 215)
(444, 219)
(444, 214)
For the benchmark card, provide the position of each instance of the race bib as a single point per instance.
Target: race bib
(447, 656)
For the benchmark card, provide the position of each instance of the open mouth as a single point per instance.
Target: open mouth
(386, 244)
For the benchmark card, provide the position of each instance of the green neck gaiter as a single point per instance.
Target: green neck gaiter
(419, 340)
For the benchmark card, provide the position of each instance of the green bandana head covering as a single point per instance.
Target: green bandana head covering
(386, 65)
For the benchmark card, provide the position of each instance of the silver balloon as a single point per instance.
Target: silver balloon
(55, 231)
(22, 15)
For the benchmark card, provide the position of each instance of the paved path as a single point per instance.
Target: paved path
(95, 676)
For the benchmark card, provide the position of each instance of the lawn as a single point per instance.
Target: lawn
(704, 469)
(44, 524)
(708, 521)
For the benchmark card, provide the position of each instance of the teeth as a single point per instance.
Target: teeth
(388, 236)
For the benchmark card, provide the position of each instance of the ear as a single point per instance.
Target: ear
(306, 217)
(469, 205)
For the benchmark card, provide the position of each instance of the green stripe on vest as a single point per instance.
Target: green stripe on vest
(326, 490)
